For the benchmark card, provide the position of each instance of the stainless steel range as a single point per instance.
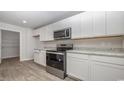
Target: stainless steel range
(56, 60)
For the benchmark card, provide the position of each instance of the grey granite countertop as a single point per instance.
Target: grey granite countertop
(103, 52)
(114, 52)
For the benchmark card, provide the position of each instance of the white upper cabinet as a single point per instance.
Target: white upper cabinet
(36, 32)
(43, 34)
(49, 33)
(60, 24)
(99, 23)
(87, 24)
(57, 26)
(46, 33)
(93, 24)
(65, 23)
(115, 23)
(75, 24)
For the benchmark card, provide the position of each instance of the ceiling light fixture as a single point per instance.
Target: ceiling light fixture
(24, 21)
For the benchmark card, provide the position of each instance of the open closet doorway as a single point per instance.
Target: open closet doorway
(10, 50)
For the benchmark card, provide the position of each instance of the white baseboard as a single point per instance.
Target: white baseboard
(22, 60)
(0, 60)
(9, 57)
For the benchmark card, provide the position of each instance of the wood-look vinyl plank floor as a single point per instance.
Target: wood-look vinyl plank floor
(14, 70)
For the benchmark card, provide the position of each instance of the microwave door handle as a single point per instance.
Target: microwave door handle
(65, 33)
(69, 31)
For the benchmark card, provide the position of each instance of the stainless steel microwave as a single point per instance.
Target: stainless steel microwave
(62, 34)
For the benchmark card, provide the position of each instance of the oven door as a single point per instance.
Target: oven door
(59, 34)
(56, 60)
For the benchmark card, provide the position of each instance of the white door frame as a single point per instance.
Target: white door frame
(1, 43)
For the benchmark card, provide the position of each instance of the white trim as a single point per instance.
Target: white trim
(22, 60)
(25, 38)
(9, 57)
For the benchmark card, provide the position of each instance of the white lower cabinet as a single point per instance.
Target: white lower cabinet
(77, 66)
(40, 58)
(106, 72)
(107, 68)
(95, 68)
(36, 57)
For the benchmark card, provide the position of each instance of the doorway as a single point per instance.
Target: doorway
(10, 45)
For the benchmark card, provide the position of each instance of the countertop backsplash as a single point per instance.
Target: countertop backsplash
(99, 44)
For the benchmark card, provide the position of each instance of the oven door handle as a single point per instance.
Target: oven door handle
(55, 53)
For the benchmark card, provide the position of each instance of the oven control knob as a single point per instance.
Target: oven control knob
(60, 60)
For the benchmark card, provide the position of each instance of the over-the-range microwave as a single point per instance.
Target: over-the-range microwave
(62, 34)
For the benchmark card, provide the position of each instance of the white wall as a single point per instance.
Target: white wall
(10, 44)
(26, 40)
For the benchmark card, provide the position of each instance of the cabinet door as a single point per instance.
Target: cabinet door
(115, 23)
(43, 34)
(57, 26)
(65, 23)
(36, 57)
(78, 68)
(46, 33)
(99, 24)
(49, 33)
(42, 58)
(106, 72)
(75, 24)
(87, 24)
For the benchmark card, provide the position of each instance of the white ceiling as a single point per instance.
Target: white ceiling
(34, 19)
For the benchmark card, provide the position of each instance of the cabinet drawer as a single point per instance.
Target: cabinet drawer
(75, 55)
(112, 60)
